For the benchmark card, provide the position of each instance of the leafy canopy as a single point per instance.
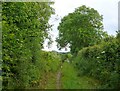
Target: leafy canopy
(80, 29)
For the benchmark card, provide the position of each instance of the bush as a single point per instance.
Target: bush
(50, 61)
(102, 62)
(23, 34)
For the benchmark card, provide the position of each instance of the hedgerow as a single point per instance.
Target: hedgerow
(24, 28)
(101, 62)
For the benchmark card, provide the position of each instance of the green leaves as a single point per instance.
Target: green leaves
(80, 29)
(102, 62)
(24, 28)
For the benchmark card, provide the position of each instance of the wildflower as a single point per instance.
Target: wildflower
(103, 52)
(98, 57)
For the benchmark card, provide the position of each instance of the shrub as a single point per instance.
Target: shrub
(102, 62)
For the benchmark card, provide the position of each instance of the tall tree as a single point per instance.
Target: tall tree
(79, 29)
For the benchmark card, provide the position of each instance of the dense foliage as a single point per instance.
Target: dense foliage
(24, 28)
(79, 29)
(102, 62)
(50, 61)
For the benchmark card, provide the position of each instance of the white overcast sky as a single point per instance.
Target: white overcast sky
(107, 8)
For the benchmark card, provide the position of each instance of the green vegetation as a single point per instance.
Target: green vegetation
(71, 80)
(101, 62)
(92, 63)
(79, 29)
(24, 28)
(95, 53)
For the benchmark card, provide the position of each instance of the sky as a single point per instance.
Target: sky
(107, 8)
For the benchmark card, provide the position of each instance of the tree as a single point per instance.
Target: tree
(24, 28)
(79, 29)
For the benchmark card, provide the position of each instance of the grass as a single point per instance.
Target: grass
(51, 83)
(48, 81)
(70, 80)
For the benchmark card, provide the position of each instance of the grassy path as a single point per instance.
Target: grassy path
(66, 78)
(70, 80)
(58, 80)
